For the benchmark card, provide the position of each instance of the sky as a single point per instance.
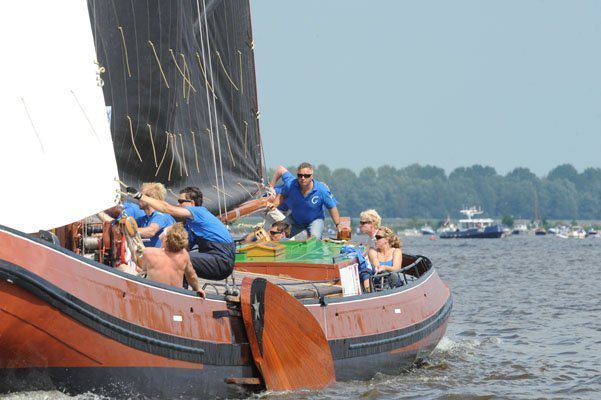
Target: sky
(355, 84)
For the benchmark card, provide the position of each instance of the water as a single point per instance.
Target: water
(526, 324)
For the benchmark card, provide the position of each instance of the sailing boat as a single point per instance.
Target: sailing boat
(177, 82)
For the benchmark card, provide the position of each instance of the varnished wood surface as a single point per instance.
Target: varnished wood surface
(288, 345)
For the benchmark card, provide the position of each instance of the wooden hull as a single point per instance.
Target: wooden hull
(72, 324)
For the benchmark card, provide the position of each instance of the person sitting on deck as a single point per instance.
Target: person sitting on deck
(169, 263)
(387, 255)
(280, 230)
(306, 198)
(215, 251)
(152, 224)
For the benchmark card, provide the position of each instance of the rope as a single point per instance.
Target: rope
(227, 139)
(131, 131)
(245, 137)
(240, 64)
(180, 70)
(181, 139)
(187, 72)
(164, 154)
(125, 50)
(159, 63)
(245, 189)
(225, 71)
(154, 153)
(195, 153)
(172, 158)
(204, 74)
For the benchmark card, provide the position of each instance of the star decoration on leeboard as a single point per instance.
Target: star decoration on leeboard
(255, 305)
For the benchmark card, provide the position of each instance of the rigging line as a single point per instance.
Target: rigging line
(125, 49)
(245, 137)
(172, 157)
(187, 73)
(240, 66)
(180, 70)
(225, 71)
(131, 131)
(210, 129)
(164, 154)
(204, 74)
(214, 103)
(154, 152)
(245, 189)
(181, 139)
(32, 124)
(222, 191)
(85, 115)
(227, 139)
(195, 153)
(179, 160)
(159, 63)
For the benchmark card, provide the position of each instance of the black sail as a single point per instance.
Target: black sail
(180, 89)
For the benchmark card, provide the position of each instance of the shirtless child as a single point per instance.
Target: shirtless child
(171, 262)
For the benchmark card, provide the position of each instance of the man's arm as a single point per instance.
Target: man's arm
(335, 217)
(277, 175)
(192, 279)
(160, 205)
(150, 230)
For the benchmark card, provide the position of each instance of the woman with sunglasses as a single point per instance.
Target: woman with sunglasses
(387, 255)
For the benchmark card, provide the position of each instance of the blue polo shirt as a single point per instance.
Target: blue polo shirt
(207, 226)
(132, 209)
(162, 220)
(306, 209)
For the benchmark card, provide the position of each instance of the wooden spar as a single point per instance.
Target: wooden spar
(287, 343)
(244, 209)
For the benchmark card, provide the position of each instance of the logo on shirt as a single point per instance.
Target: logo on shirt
(314, 199)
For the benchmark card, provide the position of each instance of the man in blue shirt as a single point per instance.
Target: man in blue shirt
(306, 198)
(216, 253)
(153, 222)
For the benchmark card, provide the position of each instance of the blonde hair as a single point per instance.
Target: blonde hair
(373, 216)
(155, 190)
(177, 238)
(393, 240)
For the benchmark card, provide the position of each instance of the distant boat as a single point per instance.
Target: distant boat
(520, 229)
(540, 231)
(474, 228)
(427, 230)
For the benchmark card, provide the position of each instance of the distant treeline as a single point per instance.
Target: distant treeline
(426, 191)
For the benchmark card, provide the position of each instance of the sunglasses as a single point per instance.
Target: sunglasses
(364, 222)
(275, 232)
(378, 237)
(180, 201)
(306, 176)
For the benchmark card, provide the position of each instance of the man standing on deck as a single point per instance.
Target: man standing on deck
(216, 252)
(306, 198)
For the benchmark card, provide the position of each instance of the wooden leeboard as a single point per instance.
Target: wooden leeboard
(287, 343)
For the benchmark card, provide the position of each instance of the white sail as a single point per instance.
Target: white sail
(56, 156)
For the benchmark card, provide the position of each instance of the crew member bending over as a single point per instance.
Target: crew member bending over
(170, 263)
(213, 251)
